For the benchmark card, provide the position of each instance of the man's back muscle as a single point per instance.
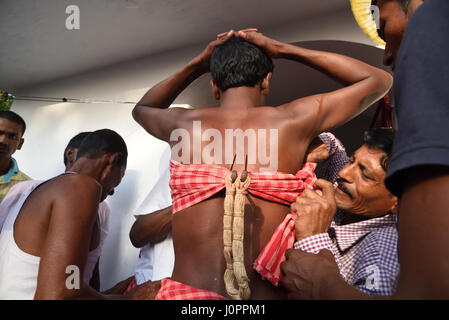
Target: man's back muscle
(40, 209)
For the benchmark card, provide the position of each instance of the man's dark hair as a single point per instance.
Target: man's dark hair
(14, 117)
(75, 142)
(404, 3)
(382, 139)
(238, 63)
(100, 142)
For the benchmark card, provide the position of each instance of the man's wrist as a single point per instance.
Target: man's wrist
(314, 243)
(199, 65)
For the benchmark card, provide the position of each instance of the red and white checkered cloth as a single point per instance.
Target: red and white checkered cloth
(173, 290)
(191, 184)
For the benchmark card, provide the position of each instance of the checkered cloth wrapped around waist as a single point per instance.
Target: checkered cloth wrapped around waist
(191, 184)
(173, 290)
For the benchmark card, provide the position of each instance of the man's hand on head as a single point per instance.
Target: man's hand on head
(204, 57)
(221, 35)
(269, 46)
(314, 209)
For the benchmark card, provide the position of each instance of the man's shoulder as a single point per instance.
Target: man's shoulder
(68, 189)
(76, 178)
(69, 192)
(382, 241)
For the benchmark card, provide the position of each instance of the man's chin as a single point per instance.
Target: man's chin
(342, 200)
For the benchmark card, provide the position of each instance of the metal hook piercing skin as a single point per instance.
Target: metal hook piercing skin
(234, 173)
(244, 172)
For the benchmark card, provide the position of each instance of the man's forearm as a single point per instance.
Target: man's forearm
(151, 228)
(345, 69)
(164, 93)
(88, 293)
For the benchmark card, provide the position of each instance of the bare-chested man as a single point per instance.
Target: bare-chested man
(52, 227)
(241, 67)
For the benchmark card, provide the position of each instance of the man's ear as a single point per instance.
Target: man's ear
(20, 143)
(265, 83)
(116, 158)
(109, 160)
(70, 155)
(394, 209)
(215, 90)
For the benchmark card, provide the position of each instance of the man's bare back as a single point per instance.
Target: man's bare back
(33, 221)
(198, 230)
(199, 253)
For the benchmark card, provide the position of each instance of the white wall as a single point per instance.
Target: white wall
(50, 126)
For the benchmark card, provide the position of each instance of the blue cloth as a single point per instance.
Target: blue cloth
(13, 171)
(422, 94)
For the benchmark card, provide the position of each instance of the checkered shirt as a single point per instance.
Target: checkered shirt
(173, 290)
(365, 252)
(337, 156)
(191, 184)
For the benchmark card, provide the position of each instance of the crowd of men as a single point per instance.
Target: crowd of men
(372, 225)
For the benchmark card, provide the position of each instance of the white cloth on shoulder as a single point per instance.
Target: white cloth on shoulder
(18, 269)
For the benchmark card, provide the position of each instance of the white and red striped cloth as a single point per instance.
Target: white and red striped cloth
(191, 184)
(173, 290)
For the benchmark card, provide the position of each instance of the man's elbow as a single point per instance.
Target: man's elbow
(136, 112)
(384, 82)
(136, 241)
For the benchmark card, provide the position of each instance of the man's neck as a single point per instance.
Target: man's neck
(241, 98)
(88, 167)
(348, 218)
(5, 164)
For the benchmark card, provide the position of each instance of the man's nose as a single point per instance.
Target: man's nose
(345, 174)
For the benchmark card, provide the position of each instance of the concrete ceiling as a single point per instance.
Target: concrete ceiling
(36, 47)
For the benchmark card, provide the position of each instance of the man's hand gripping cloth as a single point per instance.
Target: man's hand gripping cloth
(191, 184)
(173, 290)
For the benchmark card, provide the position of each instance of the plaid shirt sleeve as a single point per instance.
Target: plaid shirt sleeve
(337, 156)
(315, 243)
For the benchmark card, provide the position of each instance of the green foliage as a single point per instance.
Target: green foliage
(5, 100)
